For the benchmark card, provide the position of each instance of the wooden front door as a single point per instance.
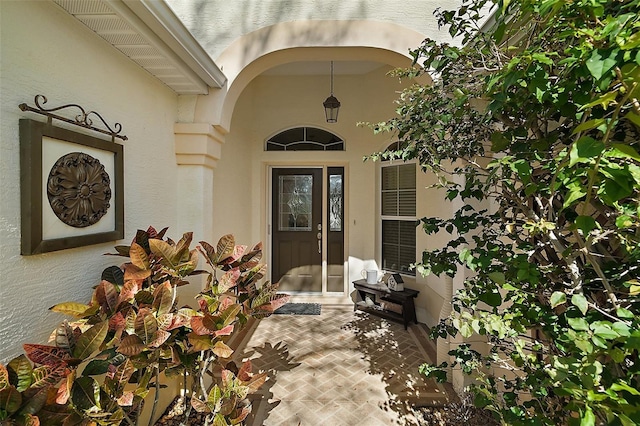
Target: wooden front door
(297, 222)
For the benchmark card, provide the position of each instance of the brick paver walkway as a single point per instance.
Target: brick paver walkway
(338, 368)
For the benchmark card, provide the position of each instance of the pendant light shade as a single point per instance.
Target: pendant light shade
(331, 104)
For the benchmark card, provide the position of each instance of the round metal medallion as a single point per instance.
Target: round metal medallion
(79, 189)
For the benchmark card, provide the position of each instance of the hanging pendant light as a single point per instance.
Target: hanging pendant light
(332, 104)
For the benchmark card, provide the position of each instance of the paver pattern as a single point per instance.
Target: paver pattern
(338, 368)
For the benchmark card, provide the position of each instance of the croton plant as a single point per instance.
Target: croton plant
(99, 367)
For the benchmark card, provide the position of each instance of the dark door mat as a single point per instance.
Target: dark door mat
(299, 309)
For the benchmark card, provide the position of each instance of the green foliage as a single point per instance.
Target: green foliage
(538, 116)
(103, 364)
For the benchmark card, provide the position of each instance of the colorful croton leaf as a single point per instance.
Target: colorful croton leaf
(100, 365)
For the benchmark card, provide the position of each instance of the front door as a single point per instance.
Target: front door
(298, 229)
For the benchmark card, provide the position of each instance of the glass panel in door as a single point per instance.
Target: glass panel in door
(335, 232)
(297, 230)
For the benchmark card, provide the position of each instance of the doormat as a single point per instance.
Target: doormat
(299, 309)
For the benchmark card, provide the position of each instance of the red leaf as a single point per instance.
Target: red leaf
(117, 322)
(204, 307)
(178, 320)
(245, 372)
(198, 327)
(46, 355)
(228, 280)
(126, 400)
(129, 290)
(161, 233)
(227, 378)
(131, 345)
(200, 406)
(238, 252)
(48, 376)
(63, 394)
(162, 337)
(225, 331)
(226, 302)
(132, 272)
(107, 296)
(152, 232)
(251, 258)
(278, 301)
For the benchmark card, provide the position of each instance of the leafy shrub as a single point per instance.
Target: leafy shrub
(100, 367)
(534, 124)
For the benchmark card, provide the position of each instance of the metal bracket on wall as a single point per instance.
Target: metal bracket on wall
(83, 119)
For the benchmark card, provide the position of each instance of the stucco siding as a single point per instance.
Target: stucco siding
(45, 51)
(216, 25)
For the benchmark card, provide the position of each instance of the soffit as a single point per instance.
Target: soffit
(148, 33)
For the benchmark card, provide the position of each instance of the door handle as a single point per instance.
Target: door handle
(319, 242)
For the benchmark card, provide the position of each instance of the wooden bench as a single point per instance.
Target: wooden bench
(378, 293)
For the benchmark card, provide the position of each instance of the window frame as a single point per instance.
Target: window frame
(271, 144)
(397, 218)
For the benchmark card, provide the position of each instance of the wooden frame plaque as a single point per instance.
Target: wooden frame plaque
(71, 188)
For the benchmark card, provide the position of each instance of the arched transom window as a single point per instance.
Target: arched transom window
(305, 139)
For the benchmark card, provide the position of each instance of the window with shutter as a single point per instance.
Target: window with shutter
(398, 217)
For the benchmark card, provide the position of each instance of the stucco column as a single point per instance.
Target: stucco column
(198, 148)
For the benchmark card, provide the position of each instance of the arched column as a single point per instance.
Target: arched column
(198, 148)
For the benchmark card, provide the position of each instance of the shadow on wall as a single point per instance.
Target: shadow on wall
(212, 31)
(357, 265)
(356, 268)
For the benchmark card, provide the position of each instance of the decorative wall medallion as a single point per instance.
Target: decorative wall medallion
(79, 189)
(71, 188)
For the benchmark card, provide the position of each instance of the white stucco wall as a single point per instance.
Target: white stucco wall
(216, 24)
(45, 51)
